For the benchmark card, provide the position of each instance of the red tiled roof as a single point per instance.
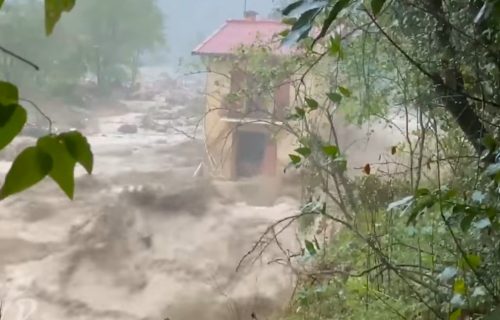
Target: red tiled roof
(237, 33)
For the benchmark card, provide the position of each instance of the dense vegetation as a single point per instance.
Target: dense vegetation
(415, 237)
(96, 49)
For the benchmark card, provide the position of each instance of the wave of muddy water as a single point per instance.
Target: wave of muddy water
(141, 240)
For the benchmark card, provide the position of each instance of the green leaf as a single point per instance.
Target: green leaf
(489, 142)
(459, 287)
(8, 93)
(312, 104)
(295, 158)
(53, 12)
(29, 168)
(310, 247)
(331, 151)
(297, 35)
(305, 22)
(332, 15)
(79, 149)
(422, 192)
(447, 194)
(63, 164)
(1, 3)
(293, 6)
(421, 204)
(334, 97)
(301, 6)
(284, 33)
(470, 261)
(289, 21)
(304, 151)
(466, 222)
(335, 47)
(345, 92)
(316, 243)
(377, 6)
(12, 120)
(301, 113)
(455, 315)
(306, 19)
(6, 112)
(309, 10)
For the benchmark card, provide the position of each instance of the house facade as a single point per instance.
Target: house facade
(243, 124)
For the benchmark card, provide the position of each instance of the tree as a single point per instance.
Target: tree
(114, 34)
(440, 51)
(104, 39)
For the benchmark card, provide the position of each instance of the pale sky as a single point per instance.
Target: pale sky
(191, 21)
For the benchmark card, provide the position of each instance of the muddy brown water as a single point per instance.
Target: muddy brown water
(141, 240)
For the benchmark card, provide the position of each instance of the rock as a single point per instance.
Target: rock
(128, 128)
(147, 122)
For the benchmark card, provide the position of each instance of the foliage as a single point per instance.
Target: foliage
(420, 243)
(114, 35)
(101, 40)
(439, 54)
(389, 264)
(53, 155)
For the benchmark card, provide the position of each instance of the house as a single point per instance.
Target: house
(243, 124)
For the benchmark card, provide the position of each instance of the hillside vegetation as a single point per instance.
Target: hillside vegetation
(415, 234)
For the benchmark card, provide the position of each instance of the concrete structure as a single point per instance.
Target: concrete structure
(243, 138)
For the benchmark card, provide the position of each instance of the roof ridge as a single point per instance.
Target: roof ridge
(210, 37)
(256, 21)
(237, 32)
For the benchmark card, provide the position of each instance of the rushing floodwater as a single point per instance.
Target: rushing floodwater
(141, 240)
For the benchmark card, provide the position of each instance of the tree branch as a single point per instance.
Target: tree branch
(18, 57)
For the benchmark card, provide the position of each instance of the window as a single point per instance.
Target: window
(236, 90)
(281, 100)
(255, 99)
(248, 98)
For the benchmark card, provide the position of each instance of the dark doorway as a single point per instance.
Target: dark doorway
(251, 149)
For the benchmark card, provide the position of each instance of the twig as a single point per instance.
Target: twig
(18, 57)
(41, 112)
(434, 77)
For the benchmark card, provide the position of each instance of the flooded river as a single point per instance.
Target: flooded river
(143, 239)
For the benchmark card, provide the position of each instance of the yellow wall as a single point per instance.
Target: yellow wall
(218, 134)
(218, 137)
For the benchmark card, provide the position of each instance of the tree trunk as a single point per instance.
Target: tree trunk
(450, 84)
